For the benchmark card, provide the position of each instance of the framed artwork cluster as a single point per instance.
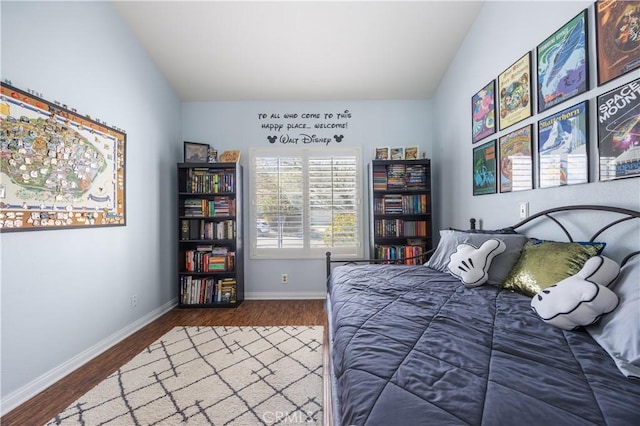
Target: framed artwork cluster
(559, 71)
(397, 153)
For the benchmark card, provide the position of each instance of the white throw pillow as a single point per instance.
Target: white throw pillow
(471, 264)
(581, 299)
(500, 266)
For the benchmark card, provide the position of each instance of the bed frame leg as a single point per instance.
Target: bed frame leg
(328, 260)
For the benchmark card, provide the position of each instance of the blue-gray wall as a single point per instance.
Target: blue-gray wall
(66, 291)
(65, 294)
(238, 125)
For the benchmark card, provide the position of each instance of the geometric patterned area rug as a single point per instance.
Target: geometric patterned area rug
(212, 376)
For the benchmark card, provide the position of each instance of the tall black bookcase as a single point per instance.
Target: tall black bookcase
(210, 235)
(400, 209)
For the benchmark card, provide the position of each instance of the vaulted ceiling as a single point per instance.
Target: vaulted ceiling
(300, 50)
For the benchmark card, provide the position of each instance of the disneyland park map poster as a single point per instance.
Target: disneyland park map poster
(58, 169)
(619, 132)
(514, 91)
(617, 38)
(563, 63)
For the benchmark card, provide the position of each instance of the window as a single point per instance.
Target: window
(305, 202)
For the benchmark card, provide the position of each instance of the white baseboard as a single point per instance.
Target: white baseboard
(36, 386)
(284, 295)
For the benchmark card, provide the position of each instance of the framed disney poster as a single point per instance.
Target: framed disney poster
(516, 160)
(617, 38)
(563, 63)
(619, 132)
(483, 112)
(59, 169)
(382, 153)
(514, 92)
(563, 154)
(484, 168)
(396, 153)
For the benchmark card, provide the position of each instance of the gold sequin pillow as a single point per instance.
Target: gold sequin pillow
(544, 263)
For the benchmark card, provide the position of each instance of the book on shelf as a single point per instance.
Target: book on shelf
(226, 290)
(399, 177)
(218, 206)
(209, 180)
(209, 259)
(389, 228)
(391, 204)
(195, 229)
(404, 253)
(194, 290)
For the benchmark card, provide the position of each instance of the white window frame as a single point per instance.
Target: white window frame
(355, 252)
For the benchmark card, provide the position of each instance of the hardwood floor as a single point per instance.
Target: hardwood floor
(44, 406)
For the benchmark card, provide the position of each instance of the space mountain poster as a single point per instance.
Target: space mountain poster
(619, 132)
(562, 147)
(562, 63)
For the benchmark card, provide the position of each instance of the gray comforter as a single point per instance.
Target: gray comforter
(413, 346)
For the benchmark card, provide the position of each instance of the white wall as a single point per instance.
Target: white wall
(236, 125)
(65, 291)
(502, 33)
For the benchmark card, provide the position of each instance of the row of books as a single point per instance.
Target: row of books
(401, 204)
(204, 180)
(216, 207)
(194, 290)
(403, 253)
(209, 259)
(386, 228)
(400, 177)
(195, 229)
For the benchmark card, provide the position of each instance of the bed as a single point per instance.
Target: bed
(414, 345)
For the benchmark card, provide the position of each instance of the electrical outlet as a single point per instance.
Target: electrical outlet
(524, 210)
(285, 278)
(134, 301)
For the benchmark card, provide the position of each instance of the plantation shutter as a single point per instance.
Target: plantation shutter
(306, 203)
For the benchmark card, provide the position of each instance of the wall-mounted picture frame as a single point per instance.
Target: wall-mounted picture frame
(484, 169)
(619, 132)
(195, 152)
(396, 153)
(59, 169)
(563, 147)
(617, 38)
(563, 63)
(382, 153)
(514, 92)
(483, 112)
(411, 153)
(516, 160)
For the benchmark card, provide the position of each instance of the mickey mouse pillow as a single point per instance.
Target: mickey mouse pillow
(471, 264)
(581, 299)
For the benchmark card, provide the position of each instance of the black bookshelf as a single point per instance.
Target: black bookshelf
(210, 235)
(400, 209)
